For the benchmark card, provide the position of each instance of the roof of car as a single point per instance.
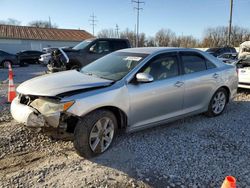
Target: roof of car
(151, 50)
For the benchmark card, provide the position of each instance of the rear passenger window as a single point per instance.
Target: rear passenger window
(193, 63)
(210, 65)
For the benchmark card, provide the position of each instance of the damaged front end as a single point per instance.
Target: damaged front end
(58, 61)
(38, 111)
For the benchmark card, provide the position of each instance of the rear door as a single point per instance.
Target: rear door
(200, 77)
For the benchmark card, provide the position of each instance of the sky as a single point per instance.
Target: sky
(184, 17)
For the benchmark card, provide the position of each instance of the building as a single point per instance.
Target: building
(18, 38)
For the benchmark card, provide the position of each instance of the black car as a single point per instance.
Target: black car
(6, 58)
(29, 56)
(218, 51)
(85, 52)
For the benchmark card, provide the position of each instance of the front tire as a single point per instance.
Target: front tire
(94, 133)
(218, 103)
(75, 67)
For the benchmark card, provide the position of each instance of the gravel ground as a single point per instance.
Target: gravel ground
(192, 152)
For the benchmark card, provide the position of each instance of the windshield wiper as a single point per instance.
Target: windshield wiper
(95, 75)
(88, 73)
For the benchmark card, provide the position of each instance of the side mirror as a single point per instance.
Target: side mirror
(92, 49)
(144, 77)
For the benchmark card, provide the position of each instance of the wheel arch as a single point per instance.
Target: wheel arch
(228, 92)
(72, 63)
(120, 115)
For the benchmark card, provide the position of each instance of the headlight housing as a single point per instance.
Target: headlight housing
(46, 106)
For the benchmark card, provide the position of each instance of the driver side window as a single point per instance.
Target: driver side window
(163, 68)
(100, 47)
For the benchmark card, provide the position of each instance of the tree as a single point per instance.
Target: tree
(107, 33)
(142, 40)
(239, 35)
(150, 42)
(130, 35)
(218, 36)
(188, 42)
(42, 24)
(10, 21)
(164, 37)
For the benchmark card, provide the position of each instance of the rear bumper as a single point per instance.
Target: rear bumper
(31, 117)
(244, 85)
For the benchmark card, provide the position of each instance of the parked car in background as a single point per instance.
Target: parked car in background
(29, 56)
(129, 89)
(243, 65)
(219, 51)
(228, 57)
(85, 52)
(6, 58)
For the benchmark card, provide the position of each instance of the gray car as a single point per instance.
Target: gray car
(131, 89)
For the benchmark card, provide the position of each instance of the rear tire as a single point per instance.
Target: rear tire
(5, 64)
(94, 133)
(218, 103)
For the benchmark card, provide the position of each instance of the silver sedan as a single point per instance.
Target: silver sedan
(130, 89)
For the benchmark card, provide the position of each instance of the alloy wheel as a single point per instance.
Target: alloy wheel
(101, 135)
(219, 102)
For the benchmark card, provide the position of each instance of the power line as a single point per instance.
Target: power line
(230, 22)
(117, 30)
(138, 8)
(93, 23)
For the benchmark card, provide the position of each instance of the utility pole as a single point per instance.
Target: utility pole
(230, 23)
(138, 8)
(93, 23)
(49, 22)
(117, 30)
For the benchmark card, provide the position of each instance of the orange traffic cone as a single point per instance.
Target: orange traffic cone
(229, 182)
(11, 91)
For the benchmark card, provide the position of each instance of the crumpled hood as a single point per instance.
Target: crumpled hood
(57, 83)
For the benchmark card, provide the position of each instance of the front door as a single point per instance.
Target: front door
(98, 50)
(160, 99)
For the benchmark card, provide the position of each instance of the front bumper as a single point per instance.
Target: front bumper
(55, 69)
(31, 117)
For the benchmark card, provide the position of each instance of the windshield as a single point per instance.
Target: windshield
(82, 45)
(114, 66)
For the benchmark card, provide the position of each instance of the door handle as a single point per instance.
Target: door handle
(216, 75)
(179, 84)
